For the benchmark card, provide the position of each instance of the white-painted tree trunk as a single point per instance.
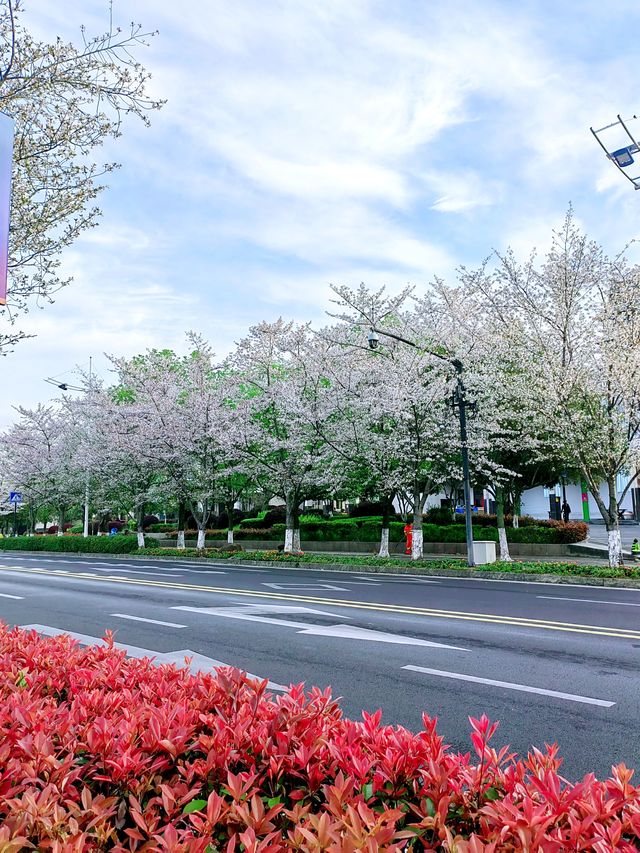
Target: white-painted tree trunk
(615, 547)
(201, 535)
(505, 556)
(230, 536)
(180, 543)
(288, 540)
(516, 521)
(384, 543)
(417, 544)
(60, 531)
(140, 538)
(296, 540)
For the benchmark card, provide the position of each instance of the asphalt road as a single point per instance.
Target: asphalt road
(551, 662)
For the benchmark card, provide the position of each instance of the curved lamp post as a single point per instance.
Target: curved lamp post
(459, 402)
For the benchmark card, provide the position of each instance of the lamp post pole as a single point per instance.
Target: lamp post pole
(460, 402)
(85, 528)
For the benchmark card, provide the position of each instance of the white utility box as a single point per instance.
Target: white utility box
(484, 552)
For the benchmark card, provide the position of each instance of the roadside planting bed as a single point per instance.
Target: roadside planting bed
(99, 752)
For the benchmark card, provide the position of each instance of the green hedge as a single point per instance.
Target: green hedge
(368, 530)
(78, 544)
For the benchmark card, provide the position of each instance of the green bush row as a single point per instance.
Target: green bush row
(369, 531)
(69, 544)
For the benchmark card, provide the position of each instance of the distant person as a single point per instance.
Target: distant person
(566, 512)
(635, 551)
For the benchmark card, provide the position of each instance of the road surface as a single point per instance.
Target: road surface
(551, 662)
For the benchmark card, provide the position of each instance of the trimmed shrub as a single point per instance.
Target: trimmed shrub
(365, 508)
(91, 545)
(163, 527)
(439, 515)
(103, 752)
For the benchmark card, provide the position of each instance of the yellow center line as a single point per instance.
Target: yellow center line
(516, 621)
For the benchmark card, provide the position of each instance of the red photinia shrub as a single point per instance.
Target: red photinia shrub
(98, 752)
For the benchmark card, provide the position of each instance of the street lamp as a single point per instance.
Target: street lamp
(459, 402)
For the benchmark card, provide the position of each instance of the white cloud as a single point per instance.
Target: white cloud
(308, 142)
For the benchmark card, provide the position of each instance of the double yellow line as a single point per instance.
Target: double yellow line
(516, 621)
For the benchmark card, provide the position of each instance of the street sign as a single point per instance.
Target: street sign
(15, 498)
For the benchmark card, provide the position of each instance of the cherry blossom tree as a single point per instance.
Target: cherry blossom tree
(411, 397)
(66, 100)
(185, 399)
(39, 456)
(274, 435)
(575, 319)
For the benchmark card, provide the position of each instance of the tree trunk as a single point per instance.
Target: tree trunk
(140, 525)
(202, 532)
(611, 520)
(291, 500)
(182, 515)
(384, 535)
(505, 556)
(229, 508)
(61, 520)
(417, 535)
(615, 546)
(296, 539)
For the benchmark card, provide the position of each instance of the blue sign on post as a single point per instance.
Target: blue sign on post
(15, 498)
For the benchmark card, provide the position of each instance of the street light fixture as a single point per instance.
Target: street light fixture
(460, 403)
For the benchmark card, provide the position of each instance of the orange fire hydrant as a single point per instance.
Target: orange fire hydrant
(408, 532)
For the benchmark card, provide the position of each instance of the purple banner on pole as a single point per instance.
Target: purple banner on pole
(6, 157)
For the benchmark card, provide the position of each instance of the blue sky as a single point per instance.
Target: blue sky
(314, 141)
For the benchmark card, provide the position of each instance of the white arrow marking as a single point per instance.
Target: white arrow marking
(523, 688)
(351, 632)
(306, 586)
(250, 613)
(152, 621)
(199, 663)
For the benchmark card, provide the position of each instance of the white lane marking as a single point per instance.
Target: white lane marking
(149, 574)
(6, 595)
(250, 613)
(458, 676)
(152, 621)
(199, 663)
(534, 583)
(202, 571)
(590, 600)
(394, 579)
(309, 587)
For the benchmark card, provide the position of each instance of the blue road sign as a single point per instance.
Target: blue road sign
(15, 498)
